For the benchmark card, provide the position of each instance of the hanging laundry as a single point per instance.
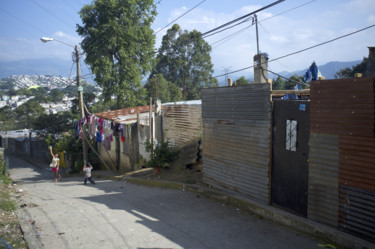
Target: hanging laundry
(82, 134)
(122, 136)
(100, 125)
(92, 126)
(98, 137)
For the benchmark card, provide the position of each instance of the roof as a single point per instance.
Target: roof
(125, 114)
(189, 102)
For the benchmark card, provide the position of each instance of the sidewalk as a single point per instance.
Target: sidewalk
(299, 224)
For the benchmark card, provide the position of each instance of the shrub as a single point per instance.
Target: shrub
(161, 154)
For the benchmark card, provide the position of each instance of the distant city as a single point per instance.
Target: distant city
(49, 82)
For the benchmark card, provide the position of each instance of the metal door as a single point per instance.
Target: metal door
(289, 182)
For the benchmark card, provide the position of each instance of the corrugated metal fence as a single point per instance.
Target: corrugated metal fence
(342, 155)
(182, 127)
(236, 139)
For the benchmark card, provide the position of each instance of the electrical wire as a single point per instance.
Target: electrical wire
(51, 13)
(227, 38)
(24, 22)
(299, 6)
(179, 17)
(302, 50)
(248, 19)
(242, 17)
(297, 82)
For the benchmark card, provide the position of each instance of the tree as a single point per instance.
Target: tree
(56, 95)
(28, 112)
(350, 72)
(292, 81)
(184, 59)
(278, 84)
(118, 41)
(54, 123)
(7, 83)
(242, 81)
(166, 90)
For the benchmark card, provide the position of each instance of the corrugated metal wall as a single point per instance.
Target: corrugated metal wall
(345, 108)
(182, 127)
(323, 203)
(237, 139)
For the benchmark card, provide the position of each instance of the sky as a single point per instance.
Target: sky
(285, 28)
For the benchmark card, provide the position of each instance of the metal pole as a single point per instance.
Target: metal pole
(80, 100)
(256, 28)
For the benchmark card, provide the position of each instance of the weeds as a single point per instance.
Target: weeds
(10, 231)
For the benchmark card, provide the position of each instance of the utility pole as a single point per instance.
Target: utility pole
(256, 28)
(80, 100)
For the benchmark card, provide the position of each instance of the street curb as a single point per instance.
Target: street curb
(300, 224)
(28, 232)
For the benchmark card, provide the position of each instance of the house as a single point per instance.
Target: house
(179, 123)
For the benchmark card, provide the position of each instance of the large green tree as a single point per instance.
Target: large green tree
(350, 72)
(242, 81)
(166, 90)
(184, 59)
(118, 42)
(28, 112)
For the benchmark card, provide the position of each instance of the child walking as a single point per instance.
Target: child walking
(87, 170)
(55, 164)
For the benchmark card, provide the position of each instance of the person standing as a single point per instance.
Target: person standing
(87, 170)
(55, 165)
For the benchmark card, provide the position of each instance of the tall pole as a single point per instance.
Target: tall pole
(256, 28)
(80, 100)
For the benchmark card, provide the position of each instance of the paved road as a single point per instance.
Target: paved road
(113, 214)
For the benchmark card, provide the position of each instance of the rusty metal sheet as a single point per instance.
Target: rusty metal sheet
(323, 202)
(345, 107)
(357, 162)
(236, 139)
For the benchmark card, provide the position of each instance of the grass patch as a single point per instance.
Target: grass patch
(10, 230)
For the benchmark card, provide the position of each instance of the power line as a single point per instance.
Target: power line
(299, 6)
(227, 38)
(240, 31)
(52, 14)
(297, 82)
(320, 44)
(302, 50)
(242, 17)
(248, 19)
(27, 23)
(179, 17)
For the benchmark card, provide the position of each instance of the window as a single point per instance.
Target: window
(291, 135)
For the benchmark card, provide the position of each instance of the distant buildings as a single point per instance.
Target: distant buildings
(47, 81)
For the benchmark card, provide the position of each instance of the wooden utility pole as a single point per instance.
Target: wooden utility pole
(80, 100)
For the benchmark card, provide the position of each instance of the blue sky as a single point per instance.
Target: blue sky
(23, 22)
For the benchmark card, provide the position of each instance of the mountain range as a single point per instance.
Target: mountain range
(327, 70)
(64, 68)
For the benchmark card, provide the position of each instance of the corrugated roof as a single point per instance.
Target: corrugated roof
(125, 114)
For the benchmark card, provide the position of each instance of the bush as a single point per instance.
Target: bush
(161, 155)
